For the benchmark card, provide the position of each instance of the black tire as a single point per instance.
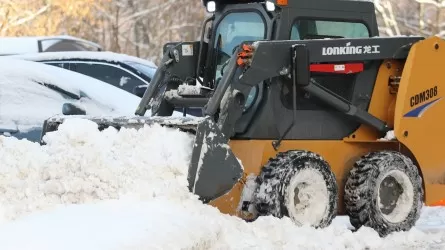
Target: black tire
(277, 185)
(378, 172)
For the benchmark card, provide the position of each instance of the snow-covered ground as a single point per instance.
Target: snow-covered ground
(128, 190)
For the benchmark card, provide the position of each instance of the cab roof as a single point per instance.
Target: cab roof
(226, 2)
(346, 5)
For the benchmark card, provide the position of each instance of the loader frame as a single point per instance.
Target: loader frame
(315, 94)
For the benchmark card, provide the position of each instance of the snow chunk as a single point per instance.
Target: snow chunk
(124, 80)
(185, 89)
(389, 136)
(247, 196)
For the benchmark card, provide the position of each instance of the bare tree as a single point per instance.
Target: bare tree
(141, 27)
(410, 17)
(135, 27)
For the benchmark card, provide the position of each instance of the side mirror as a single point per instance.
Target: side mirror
(140, 90)
(72, 109)
(301, 65)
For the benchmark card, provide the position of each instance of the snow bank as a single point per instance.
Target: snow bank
(81, 165)
(128, 190)
(432, 219)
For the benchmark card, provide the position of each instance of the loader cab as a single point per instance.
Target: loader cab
(233, 23)
(236, 21)
(270, 101)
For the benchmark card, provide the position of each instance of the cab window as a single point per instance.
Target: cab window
(233, 29)
(318, 29)
(108, 73)
(341, 85)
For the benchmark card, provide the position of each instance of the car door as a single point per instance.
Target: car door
(109, 73)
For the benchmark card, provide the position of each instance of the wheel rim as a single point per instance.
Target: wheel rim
(395, 196)
(307, 198)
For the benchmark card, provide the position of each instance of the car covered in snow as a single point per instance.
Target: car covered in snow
(129, 73)
(31, 92)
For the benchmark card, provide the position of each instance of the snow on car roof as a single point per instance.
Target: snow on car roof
(75, 83)
(29, 44)
(92, 55)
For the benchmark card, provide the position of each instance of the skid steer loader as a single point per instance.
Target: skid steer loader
(302, 93)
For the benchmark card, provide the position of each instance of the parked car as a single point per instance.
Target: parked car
(129, 73)
(31, 92)
(39, 44)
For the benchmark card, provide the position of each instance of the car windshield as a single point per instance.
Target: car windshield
(144, 69)
(233, 30)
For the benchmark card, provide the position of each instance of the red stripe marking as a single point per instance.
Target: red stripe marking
(348, 68)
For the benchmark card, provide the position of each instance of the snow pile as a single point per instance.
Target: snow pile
(82, 165)
(432, 219)
(247, 195)
(133, 189)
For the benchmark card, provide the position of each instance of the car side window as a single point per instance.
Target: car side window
(58, 64)
(113, 75)
(342, 85)
(318, 29)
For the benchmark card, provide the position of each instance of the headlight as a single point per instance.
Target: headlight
(270, 6)
(211, 6)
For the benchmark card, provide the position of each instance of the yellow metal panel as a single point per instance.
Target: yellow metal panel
(420, 112)
(421, 134)
(382, 102)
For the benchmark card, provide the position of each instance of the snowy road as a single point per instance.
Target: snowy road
(431, 220)
(122, 196)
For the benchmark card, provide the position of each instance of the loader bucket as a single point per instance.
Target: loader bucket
(213, 168)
